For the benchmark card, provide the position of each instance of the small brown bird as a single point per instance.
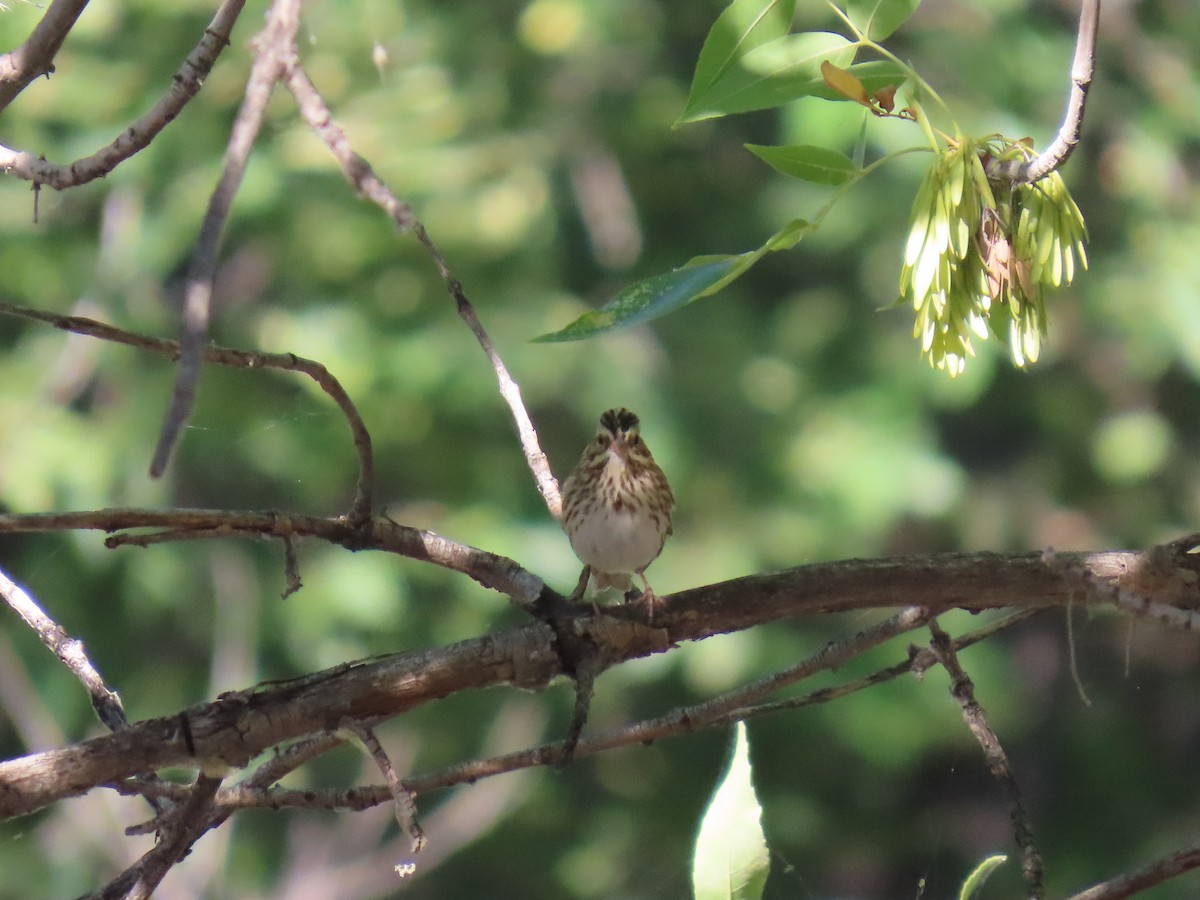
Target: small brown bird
(617, 507)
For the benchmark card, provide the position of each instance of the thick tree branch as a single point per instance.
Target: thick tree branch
(1083, 65)
(35, 57)
(185, 84)
(237, 726)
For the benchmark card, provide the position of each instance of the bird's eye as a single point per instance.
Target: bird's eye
(634, 440)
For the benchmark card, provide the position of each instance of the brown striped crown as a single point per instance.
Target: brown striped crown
(619, 423)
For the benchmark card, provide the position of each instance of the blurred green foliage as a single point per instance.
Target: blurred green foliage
(795, 421)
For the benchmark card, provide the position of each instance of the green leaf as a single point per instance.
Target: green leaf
(783, 69)
(657, 296)
(731, 860)
(980, 874)
(654, 297)
(744, 25)
(818, 165)
(787, 237)
(877, 19)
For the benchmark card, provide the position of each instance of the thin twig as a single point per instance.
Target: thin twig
(403, 802)
(974, 715)
(187, 824)
(70, 651)
(359, 173)
(1135, 882)
(35, 57)
(1083, 66)
(360, 510)
(185, 84)
(271, 44)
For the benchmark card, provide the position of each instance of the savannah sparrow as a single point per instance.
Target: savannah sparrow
(617, 507)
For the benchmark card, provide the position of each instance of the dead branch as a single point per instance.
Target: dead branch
(359, 173)
(185, 84)
(1134, 882)
(489, 569)
(963, 691)
(360, 510)
(239, 725)
(276, 40)
(35, 57)
(70, 652)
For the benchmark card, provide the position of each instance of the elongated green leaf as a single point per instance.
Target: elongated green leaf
(731, 861)
(975, 880)
(744, 25)
(783, 69)
(657, 296)
(818, 165)
(652, 298)
(877, 19)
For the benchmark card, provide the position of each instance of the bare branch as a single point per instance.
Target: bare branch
(682, 721)
(243, 359)
(1083, 66)
(489, 569)
(369, 185)
(182, 827)
(974, 715)
(35, 57)
(1135, 882)
(403, 801)
(70, 651)
(185, 84)
(239, 725)
(275, 41)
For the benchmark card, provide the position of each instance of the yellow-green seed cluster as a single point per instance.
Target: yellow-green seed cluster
(972, 249)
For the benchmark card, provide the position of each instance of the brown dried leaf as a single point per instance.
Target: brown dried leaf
(886, 98)
(844, 83)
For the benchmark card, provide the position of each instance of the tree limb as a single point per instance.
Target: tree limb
(1083, 65)
(185, 84)
(239, 725)
(242, 359)
(35, 57)
(275, 41)
(70, 652)
(359, 173)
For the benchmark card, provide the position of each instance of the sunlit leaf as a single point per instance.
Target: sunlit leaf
(818, 165)
(877, 19)
(783, 69)
(654, 297)
(744, 25)
(979, 875)
(731, 860)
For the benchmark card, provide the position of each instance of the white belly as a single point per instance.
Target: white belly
(611, 541)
